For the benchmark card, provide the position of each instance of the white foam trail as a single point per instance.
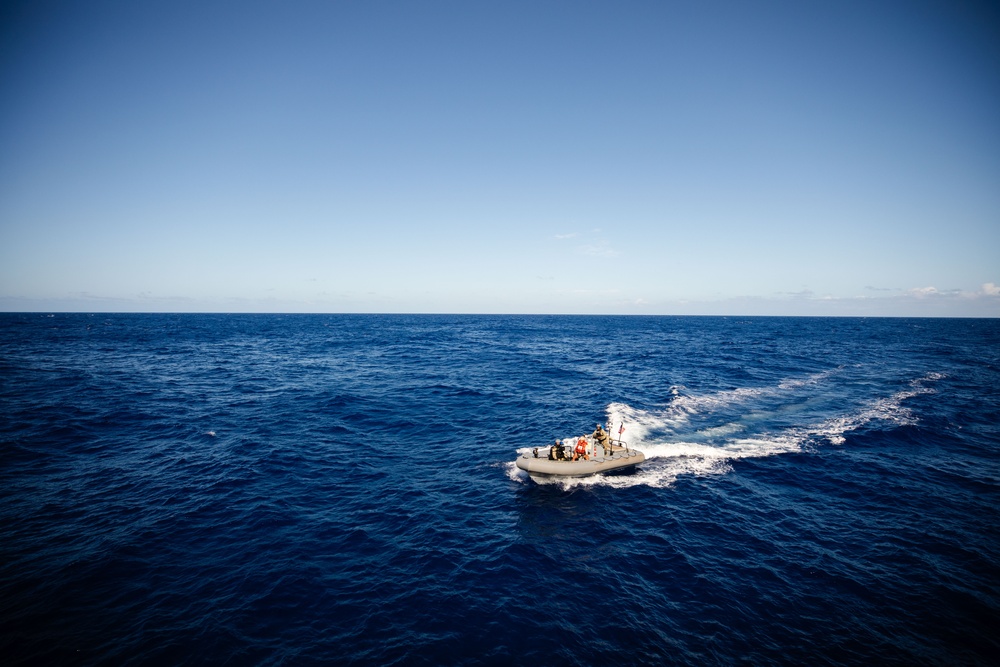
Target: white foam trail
(722, 431)
(666, 461)
(885, 409)
(794, 383)
(680, 409)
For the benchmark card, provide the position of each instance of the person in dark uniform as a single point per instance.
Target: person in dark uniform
(601, 438)
(557, 452)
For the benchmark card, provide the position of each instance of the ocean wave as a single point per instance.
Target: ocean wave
(303, 489)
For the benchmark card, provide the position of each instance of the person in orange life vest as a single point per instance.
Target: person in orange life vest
(580, 450)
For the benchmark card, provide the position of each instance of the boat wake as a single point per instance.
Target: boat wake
(703, 435)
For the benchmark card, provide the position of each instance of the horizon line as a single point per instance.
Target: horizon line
(461, 314)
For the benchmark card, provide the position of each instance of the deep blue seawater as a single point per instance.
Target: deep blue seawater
(340, 489)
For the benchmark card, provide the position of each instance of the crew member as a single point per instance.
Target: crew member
(556, 452)
(601, 438)
(581, 449)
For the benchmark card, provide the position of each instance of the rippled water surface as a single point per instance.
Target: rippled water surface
(267, 489)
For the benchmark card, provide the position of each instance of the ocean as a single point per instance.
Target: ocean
(193, 489)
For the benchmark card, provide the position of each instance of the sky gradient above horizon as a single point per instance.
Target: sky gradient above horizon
(766, 158)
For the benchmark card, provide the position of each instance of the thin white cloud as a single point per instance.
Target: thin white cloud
(565, 236)
(991, 289)
(600, 249)
(801, 294)
(922, 292)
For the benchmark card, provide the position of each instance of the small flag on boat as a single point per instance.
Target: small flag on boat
(621, 429)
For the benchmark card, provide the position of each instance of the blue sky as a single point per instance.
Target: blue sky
(773, 158)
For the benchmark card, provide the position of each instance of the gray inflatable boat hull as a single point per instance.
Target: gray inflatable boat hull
(544, 466)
